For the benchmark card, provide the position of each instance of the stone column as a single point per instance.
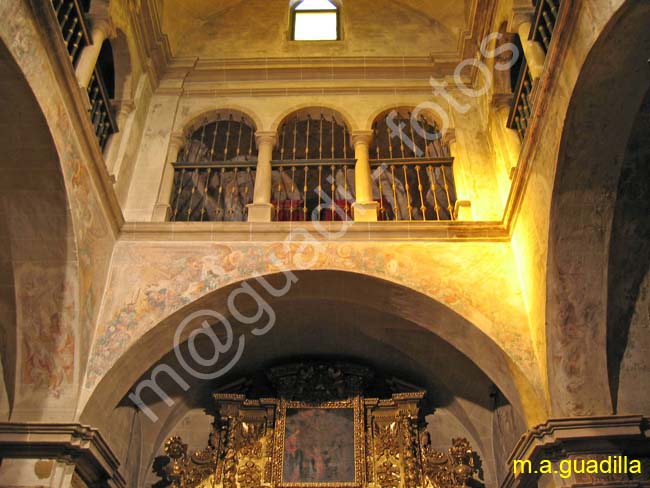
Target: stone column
(261, 209)
(365, 207)
(162, 209)
(112, 151)
(511, 141)
(102, 30)
(532, 50)
(463, 206)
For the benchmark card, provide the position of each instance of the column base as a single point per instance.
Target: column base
(260, 212)
(365, 212)
(463, 210)
(161, 213)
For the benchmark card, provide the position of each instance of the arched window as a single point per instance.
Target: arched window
(412, 167)
(315, 20)
(101, 92)
(313, 167)
(214, 175)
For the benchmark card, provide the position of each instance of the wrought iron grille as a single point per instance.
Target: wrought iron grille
(70, 15)
(313, 172)
(214, 176)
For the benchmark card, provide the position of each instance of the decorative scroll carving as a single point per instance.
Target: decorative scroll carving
(190, 469)
(391, 446)
(387, 460)
(409, 437)
(319, 382)
(450, 470)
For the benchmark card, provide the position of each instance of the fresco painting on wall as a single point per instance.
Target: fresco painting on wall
(47, 308)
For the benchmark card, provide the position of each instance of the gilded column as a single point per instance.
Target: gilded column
(102, 30)
(365, 207)
(261, 209)
(161, 211)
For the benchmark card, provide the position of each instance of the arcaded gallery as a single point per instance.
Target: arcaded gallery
(324, 243)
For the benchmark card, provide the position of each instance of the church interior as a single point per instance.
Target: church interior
(324, 243)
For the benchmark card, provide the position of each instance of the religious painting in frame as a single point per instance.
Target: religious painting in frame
(319, 444)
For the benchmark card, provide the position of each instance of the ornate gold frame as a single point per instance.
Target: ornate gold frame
(354, 403)
(392, 448)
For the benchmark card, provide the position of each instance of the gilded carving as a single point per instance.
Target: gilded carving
(448, 470)
(386, 445)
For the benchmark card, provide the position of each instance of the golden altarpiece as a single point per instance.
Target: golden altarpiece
(320, 430)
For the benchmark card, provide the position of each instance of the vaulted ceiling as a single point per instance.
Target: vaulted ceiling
(260, 28)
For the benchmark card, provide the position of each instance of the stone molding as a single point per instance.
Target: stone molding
(284, 231)
(77, 444)
(558, 439)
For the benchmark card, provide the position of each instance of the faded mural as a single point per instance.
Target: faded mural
(150, 281)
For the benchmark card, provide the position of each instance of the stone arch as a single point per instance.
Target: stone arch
(186, 124)
(605, 100)
(38, 302)
(405, 104)
(340, 113)
(429, 315)
(425, 337)
(628, 277)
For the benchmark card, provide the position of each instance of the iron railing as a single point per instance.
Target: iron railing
(320, 190)
(414, 189)
(212, 192)
(101, 111)
(73, 25)
(546, 12)
(522, 104)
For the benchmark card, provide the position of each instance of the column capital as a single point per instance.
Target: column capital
(448, 137)
(502, 100)
(361, 137)
(104, 25)
(520, 15)
(177, 140)
(266, 137)
(125, 107)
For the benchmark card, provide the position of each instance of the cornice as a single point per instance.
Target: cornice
(303, 76)
(288, 231)
(580, 435)
(79, 444)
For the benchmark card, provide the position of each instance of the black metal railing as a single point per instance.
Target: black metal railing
(212, 192)
(73, 25)
(546, 13)
(101, 111)
(522, 105)
(313, 190)
(414, 189)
